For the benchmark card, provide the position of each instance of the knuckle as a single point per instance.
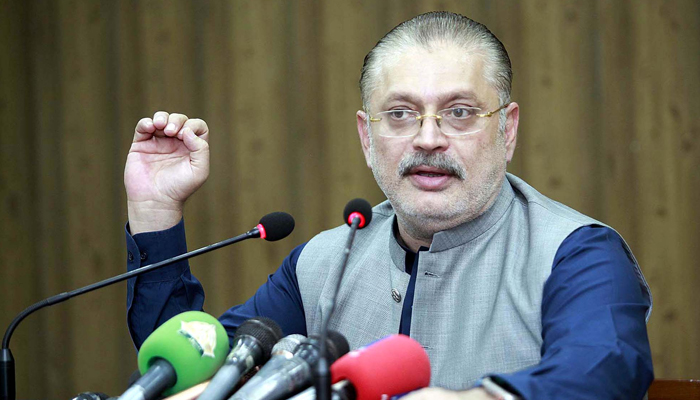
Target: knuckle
(201, 123)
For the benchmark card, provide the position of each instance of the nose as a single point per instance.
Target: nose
(430, 137)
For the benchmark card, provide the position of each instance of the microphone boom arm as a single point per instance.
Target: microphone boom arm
(323, 373)
(7, 370)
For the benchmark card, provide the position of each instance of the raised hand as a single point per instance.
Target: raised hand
(168, 161)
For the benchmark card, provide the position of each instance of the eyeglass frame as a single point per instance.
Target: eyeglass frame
(438, 118)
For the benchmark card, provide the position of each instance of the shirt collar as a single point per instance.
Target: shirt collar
(470, 230)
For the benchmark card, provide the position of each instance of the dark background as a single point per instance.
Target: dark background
(609, 94)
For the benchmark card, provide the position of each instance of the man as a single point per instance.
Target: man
(495, 280)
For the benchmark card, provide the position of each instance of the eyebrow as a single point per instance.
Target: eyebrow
(445, 98)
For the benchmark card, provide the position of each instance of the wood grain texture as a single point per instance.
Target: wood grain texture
(608, 93)
(17, 190)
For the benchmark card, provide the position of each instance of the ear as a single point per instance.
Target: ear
(362, 122)
(511, 133)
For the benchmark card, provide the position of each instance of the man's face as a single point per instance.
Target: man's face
(434, 181)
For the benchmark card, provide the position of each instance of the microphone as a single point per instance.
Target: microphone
(272, 227)
(284, 377)
(357, 214)
(358, 208)
(281, 353)
(252, 345)
(343, 390)
(394, 365)
(275, 226)
(390, 366)
(91, 396)
(284, 348)
(186, 350)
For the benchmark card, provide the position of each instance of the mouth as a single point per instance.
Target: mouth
(428, 171)
(429, 178)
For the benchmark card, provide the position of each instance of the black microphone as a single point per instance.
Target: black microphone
(252, 345)
(287, 376)
(91, 396)
(357, 214)
(272, 227)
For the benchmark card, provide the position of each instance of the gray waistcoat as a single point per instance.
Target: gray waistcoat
(478, 294)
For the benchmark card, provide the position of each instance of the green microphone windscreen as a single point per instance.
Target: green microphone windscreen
(193, 342)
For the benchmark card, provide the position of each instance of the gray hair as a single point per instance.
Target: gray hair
(440, 27)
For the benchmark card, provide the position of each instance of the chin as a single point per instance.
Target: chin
(431, 211)
(434, 212)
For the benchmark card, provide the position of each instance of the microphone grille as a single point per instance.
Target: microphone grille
(265, 330)
(287, 344)
(360, 206)
(278, 225)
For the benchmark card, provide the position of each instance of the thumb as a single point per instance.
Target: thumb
(198, 147)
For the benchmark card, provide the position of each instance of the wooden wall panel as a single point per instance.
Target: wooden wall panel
(663, 124)
(346, 174)
(18, 265)
(90, 167)
(608, 92)
(259, 127)
(51, 218)
(213, 69)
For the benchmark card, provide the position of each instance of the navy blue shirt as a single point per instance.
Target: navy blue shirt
(595, 343)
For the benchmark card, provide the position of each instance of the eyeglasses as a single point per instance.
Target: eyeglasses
(457, 121)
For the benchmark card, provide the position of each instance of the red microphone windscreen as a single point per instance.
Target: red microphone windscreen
(358, 208)
(394, 365)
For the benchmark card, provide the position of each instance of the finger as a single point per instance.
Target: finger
(198, 126)
(160, 119)
(199, 152)
(144, 130)
(195, 144)
(175, 122)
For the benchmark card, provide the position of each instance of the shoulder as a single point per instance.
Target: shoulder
(382, 214)
(596, 258)
(543, 207)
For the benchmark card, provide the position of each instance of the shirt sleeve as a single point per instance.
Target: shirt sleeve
(278, 299)
(595, 343)
(156, 296)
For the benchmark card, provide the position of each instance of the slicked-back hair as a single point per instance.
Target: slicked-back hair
(437, 28)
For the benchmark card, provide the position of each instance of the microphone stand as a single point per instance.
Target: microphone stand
(7, 362)
(322, 371)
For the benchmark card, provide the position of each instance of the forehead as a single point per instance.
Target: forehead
(433, 76)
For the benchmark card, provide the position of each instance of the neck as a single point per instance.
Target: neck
(412, 240)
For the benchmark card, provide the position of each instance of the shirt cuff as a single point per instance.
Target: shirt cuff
(152, 247)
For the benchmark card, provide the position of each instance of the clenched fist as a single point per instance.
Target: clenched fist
(168, 161)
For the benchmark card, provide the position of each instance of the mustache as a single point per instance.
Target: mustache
(436, 160)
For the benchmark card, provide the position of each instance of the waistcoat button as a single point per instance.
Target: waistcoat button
(396, 295)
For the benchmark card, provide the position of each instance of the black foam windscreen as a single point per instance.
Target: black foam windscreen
(360, 206)
(264, 329)
(278, 225)
(338, 346)
(91, 396)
